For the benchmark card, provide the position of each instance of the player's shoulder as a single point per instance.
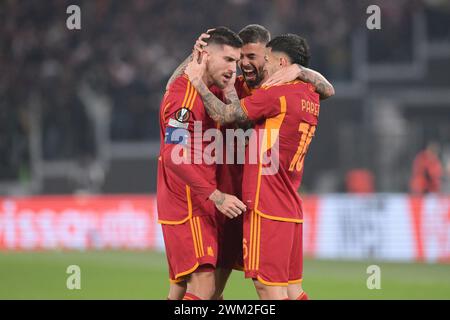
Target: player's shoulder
(306, 86)
(271, 91)
(182, 92)
(182, 95)
(292, 86)
(179, 84)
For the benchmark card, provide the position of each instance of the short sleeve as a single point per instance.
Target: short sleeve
(262, 104)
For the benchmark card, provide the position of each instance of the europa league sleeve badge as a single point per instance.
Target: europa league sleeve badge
(182, 115)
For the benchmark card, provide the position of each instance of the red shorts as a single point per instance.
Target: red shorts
(230, 242)
(273, 252)
(191, 246)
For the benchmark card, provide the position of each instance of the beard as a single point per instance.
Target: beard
(254, 78)
(223, 80)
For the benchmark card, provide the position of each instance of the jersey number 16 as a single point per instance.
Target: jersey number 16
(307, 132)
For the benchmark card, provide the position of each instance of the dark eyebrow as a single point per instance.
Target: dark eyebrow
(230, 58)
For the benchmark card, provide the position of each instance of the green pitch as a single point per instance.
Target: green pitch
(143, 275)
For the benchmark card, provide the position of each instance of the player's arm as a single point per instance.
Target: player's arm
(219, 111)
(178, 131)
(228, 204)
(323, 87)
(295, 71)
(242, 124)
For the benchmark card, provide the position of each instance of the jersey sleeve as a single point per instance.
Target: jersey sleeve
(190, 174)
(178, 126)
(262, 104)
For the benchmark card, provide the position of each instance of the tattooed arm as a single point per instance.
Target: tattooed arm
(219, 111)
(240, 124)
(296, 71)
(323, 87)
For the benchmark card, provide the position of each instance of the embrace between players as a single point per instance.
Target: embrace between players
(219, 217)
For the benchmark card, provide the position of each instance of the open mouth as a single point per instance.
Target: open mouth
(249, 74)
(227, 77)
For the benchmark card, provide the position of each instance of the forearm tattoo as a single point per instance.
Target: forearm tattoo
(219, 111)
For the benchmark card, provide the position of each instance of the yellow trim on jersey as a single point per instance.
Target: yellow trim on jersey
(267, 216)
(269, 140)
(295, 281)
(197, 238)
(282, 84)
(192, 100)
(252, 240)
(250, 249)
(189, 100)
(174, 222)
(200, 237)
(188, 92)
(246, 87)
(255, 240)
(258, 242)
(189, 203)
(194, 238)
(268, 283)
(175, 281)
(165, 110)
(244, 108)
(271, 124)
(189, 200)
(187, 271)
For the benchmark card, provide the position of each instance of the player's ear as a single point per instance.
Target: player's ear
(283, 62)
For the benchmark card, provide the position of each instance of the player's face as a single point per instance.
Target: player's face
(252, 63)
(273, 62)
(222, 61)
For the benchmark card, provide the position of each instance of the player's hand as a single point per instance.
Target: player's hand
(230, 86)
(200, 43)
(228, 204)
(283, 75)
(196, 68)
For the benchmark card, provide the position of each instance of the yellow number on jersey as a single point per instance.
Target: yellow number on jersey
(307, 132)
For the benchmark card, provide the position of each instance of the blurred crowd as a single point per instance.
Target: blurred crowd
(126, 51)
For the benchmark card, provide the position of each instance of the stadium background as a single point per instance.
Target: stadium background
(79, 140)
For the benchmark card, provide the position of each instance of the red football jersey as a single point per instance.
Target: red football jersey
(229, 176)
(184, 186)
(242, 88)
(289, 114)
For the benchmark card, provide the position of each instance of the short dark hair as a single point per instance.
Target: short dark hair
(224, 36)
(254, 33)
(294, 46)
